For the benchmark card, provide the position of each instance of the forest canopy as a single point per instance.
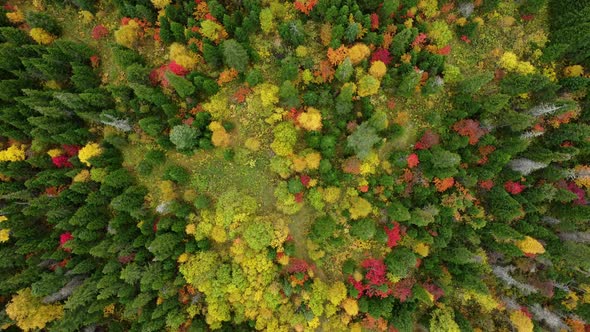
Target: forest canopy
(295, 165)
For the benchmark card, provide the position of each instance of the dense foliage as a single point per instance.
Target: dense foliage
(329, 165)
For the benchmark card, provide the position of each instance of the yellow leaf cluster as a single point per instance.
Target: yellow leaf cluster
(530, 246)
(359, 208)
(311, 119)
(378, 69)
(337, 293)
(89, 151)
(571, 301)
(220, 137)
(83, 176)
(422, 249)
(41, 36)
(370, 164)
(301, 51)
(350, 306)
(331, 194)
(14, 153)
(85, 16)
(55, 152)
(573, 71)
(269, 94)
(510, 62)
(213, 30)
(29, 313)
(183, 56)
(486, 301)
(161, 4)
(368, 85)
(4, 235)
(128, 35)
(16, 16)
(521, 322)
(358, 53)
(583, 181)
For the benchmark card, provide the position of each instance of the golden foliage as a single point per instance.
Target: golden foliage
(14, 153)
(89, 151)
(331, 194)
(220, 137)
(583, 181)
(521, 322)
(4, 235)
(350, 306)
(269, 94)
(530, 246)
(378, 69)
(29, 313)
(573, 71)
(183, 56)
(55, 152)
(41, 36)
(16, 16)
(161, 4)
(128, 35)
(510, 62)
(311, 119)
(83, 176)
(358, 53)
(337, 293)
(360, 208)
(312, 160)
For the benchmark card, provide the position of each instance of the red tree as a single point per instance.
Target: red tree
(469, 128)
(413, 160)
(428, 140)
(393, 235)
(514, 188)
(99, 32)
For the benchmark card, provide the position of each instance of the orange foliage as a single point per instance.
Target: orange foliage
(227, 76)
(390, 31)
(201, 11)
(336, 56)
(444, 184)
(563, 118)
(402, 118)
(447, 7)
(470, 128)
(305, 6)
(326, 71)
(241, 94)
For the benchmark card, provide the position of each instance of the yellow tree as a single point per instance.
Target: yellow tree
(41, 36)
(311, 119)
(128, 35)
(30, 313)
(89, 151)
